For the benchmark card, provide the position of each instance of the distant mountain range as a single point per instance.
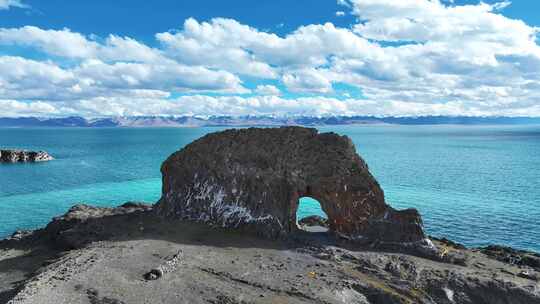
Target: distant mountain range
(243, 121)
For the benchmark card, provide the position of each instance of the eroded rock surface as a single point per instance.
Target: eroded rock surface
(195, 263)
(22, 156)
(252, 179)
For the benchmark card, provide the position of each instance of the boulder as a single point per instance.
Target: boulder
(252, 179)
(15, 156)
(84, 224)
(313, 220)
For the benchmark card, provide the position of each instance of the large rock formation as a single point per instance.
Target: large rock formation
(16, 156)
(102, 255)
(253, 178)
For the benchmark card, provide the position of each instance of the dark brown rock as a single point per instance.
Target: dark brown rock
(21, 156)
(252, 179)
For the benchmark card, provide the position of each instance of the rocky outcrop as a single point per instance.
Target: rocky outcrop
(22, 156)
(128, 254)
(253, 178)
(513, 256)
(83, 224)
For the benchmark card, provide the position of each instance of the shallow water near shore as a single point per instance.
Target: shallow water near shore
(474, 184)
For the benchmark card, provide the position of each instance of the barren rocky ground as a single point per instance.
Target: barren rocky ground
(129, 255)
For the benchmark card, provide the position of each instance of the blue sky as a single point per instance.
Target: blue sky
(142, 19)
(280, 57)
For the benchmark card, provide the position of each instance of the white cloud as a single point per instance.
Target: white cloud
(63, 43)
(501, 5)
(204, 105)
(14, 108)
(172, 77)
(429, 21)
(408, 57)
(340, 13)
(267, 90)
(221, 42)
(343, 3)
(28, 79)
(22, 78)
(6, 4)
(307, 81)
(216, 45)
(68, 44)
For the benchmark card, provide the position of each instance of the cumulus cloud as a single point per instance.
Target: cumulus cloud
(68, 44)
(340, 13)
(222, 41)
(204, 105)
(24, 79)
(432, 21)
(408, 57)
(307, 81)
(213, 45)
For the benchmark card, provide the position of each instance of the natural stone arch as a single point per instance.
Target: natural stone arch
(252, 179)
(310, 216)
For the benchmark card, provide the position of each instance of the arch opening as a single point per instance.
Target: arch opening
(310, 216)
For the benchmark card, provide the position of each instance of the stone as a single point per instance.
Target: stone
(22, 156)
(251, 179)
(528, 275)
(313, 220)
(154, 274)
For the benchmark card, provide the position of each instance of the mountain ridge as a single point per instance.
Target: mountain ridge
(244, 121)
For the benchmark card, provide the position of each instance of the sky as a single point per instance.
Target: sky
(269, 57)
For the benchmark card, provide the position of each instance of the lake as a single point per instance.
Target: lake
(477, 185)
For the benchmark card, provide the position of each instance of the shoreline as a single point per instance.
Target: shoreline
(102, 254)
(431, 203)
(225, 230)
(441, 239)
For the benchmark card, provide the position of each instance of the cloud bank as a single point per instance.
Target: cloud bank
(402, 57)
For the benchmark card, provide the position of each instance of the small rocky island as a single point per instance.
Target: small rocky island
(224, 231)
(23, 156)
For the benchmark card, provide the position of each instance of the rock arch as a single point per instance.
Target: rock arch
(309, 215)
(252, 179)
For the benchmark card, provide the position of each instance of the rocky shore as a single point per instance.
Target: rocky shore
(225, 231)
(131, 255)
(22, 156)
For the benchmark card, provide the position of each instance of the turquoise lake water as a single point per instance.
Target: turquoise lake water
(474, 184)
